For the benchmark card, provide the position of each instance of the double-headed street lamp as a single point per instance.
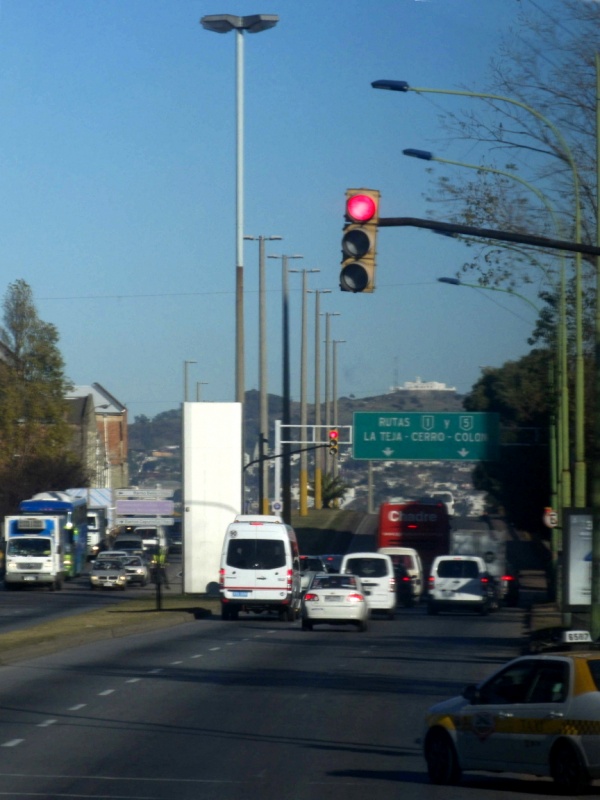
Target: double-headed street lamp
(263, 432)
(563, 469)
(224, 23)
(185, 379)
(303, 389)
(565, 153)
(286, 468)
(318, 498)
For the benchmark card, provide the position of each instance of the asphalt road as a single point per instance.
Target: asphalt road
(32, 604)
(249, 710)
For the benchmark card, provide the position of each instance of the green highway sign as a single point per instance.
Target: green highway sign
(425, 436)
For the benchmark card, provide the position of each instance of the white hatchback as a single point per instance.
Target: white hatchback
(378, 579)
(459, 582)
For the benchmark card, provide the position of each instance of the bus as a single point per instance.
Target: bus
(73, 510)
(421, 524)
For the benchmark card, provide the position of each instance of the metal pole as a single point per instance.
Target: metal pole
(286, 467)
(336, 464)
(318, 495)
(263, 429)
(303, 484)
(239, 227)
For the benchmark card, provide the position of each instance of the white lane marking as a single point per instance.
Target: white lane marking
(199, 655)
(46, 723)
(174, 663)
(77, 707)
(105, 692)
(12, 743)
(154, 671)
(212, 649)
(133, 680)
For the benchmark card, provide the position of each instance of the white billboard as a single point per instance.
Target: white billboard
(212, 488)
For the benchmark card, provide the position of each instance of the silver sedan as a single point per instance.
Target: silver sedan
(334, 599)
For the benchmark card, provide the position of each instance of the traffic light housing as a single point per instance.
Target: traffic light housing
(333, 441)
(359, 241)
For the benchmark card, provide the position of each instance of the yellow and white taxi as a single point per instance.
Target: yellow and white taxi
(539, 714)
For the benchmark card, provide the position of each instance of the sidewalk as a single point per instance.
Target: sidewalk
(544, 621)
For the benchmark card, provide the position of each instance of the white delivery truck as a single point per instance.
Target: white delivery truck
(36, 548)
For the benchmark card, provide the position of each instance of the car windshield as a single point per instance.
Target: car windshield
(28, 547)
(106, 563)
(457, 569)
(367, 567)
(334, 582)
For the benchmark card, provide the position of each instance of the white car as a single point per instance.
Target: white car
(459, 582)
(334, 599)
(377, 577)
(537, 715)
(308, 566)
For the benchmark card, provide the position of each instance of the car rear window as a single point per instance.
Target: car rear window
(333, 582)
(457, 569)
(367, 567)
(256, 553)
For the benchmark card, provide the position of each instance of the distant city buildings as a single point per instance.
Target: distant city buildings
(423, 386)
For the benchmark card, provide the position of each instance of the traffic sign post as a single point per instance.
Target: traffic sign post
(423, 436)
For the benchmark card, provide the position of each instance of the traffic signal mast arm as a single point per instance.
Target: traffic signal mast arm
(488, 233)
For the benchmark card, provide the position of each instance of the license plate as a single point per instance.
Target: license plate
(30, 577)
(330, 598)
(240, 594)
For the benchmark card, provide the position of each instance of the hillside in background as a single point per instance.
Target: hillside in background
(155, 452)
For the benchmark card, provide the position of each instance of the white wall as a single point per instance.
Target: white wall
(212, 488)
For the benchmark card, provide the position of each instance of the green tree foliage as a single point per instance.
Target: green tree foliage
(547, 63)
(517, 484)
(35, 438)
(333, 489)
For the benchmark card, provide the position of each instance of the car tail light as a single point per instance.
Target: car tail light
(290, 575)
(507, 578)
(393, 584)
(431, 581)
(485, 580)
(221, 577)
(310, 597)
(355, 597)
(406, 579)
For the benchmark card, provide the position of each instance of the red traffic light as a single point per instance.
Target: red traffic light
(361, 207)
(333, 435)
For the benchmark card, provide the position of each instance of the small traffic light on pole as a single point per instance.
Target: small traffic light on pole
(333, 441)
(360, 240)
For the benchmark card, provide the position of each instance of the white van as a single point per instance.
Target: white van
(408, 558)
(459, 582)
(260, 568)
(376, 573)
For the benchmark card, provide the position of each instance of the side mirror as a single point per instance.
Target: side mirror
(471, 693)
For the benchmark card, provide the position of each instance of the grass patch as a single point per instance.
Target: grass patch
(130, 616)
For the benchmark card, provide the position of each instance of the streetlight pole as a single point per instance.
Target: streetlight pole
(562, 462)
(328, 316)
(286, 467)
(565, 154)
(263, 431)
(185, 379)
(223, 23)
(335, 397)
(318, 454)
(303, 396)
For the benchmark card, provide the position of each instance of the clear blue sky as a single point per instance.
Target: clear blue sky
(117, 168)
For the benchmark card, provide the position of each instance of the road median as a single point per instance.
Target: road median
(127, 618)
